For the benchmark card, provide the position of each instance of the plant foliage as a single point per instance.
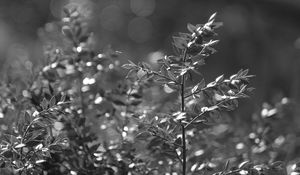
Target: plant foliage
(73, 119)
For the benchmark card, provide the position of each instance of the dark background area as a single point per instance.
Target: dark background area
(262, 35)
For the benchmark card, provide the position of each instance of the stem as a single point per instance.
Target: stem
(183, 150)
(182, 125)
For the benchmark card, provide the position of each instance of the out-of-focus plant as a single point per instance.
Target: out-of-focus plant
(79, 116)
(58, 111)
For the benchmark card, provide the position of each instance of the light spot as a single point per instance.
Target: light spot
(79, 49)
(99, 67)
(73, 172)
(98, 100)
(199, 152)
(131, 165)
(124, 134)
(89, 64)
(103, 127)
(111, 66)
(88, 81)
(240, 146)
(58, 126)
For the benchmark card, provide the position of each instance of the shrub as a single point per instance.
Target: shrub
(73, 119)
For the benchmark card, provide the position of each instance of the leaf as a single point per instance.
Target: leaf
(40, 161)
(219, 79)
(250, 89)
(211, 84)
(63, 98)
(178, 141)
(245, 72)
(128, 66)
(44, 104)
(163, 70)
(56, 148)
(179, 115)
(180, 42)
(21, 145)
(185, 35)
(245, 165)
(191, 28)
(52, 102)
(212, 108)
(216, 25)
(211, 43)
(212, 17)
(119, 102)
(67, 31)
(171, 75)
(199, 86)
(7, 154)
(143, 135)
(168, 89)
(132, 63)
(130, 72)
(141, 73)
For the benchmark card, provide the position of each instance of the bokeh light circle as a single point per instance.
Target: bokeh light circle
(140, 29)
(142, 8)
(111, 18)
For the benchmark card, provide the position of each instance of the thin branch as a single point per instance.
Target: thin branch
(195, 118)
(196, 92)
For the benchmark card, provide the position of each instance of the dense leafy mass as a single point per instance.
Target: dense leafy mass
(79, 115)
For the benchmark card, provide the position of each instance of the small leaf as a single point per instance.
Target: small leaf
(191, 28)
(216, 25)
(44, 104)
(171, 75)
(40, 161)
(143, 135)
(128, 66)
(141, 73)
(211, 84)
(180, 42)
(21, 145)
(211, 43)
(67, 31)
(212, 108)
(119, 102)
(219, 79)
(7, 154)
(168, 89)
(55, 148)
(63, 98)
(52, 102)
(178, 141)
(212, 17)
(245, 72)
(245, 165)
(179, 115)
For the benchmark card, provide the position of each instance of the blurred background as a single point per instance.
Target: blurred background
(262, 35)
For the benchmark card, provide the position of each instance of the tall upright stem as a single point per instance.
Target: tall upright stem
(182, 125)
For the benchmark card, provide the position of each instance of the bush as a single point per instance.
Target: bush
(71, 118)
